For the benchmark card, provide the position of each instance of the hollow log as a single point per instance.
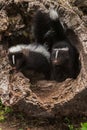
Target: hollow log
(47, 98)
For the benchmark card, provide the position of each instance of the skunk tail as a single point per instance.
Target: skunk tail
(40, 26)
(57, 25)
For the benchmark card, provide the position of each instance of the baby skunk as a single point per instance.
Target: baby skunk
(30, 57)
(47, 28)
(64, 59)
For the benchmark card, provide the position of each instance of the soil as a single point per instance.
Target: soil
(17, 121)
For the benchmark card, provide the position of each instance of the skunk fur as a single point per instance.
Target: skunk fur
(25, 58)
(64, 55)
(41, 24)
(47, 28)
(65, 59)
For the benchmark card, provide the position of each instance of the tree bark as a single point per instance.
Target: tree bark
(48, 98)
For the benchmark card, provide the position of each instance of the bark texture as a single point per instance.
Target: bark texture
(44, 98)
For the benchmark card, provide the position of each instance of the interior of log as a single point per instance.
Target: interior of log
(45, 93)
(82, 5)
(84, 10)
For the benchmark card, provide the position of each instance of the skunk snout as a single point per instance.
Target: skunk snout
(56, 61)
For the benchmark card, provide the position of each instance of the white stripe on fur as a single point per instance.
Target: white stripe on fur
(56, 54)
(32, 47)
(13, 59)
(53, 14)
(17, 48)
(61, 49)
(39, 49)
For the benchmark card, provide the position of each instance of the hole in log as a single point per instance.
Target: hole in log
(84, 9)
(82, 5)
(71, 68)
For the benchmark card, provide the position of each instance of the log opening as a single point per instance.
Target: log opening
(46, 98)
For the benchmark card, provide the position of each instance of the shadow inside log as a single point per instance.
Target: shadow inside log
(75, 107)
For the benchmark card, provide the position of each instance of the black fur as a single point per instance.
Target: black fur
(56, 36)
(46, 30)
(29, 60)
(67, 63)
(59, 31)
(41, 24)
(72, 36)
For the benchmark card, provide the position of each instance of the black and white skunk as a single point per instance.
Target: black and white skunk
(47, 28)
(65, 61)
(30, 57)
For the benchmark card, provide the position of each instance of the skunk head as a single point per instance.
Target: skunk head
(60, 56)
(16, 60)
(16, 56)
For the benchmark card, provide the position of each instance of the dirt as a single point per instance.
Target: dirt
(16, 121)
(19, 123)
